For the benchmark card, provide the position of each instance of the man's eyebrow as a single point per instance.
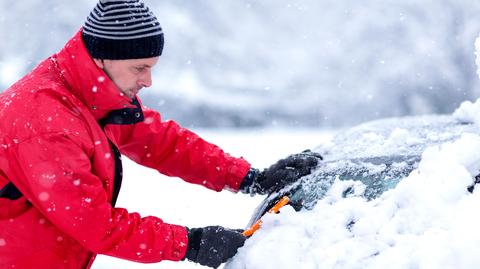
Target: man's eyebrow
(144, 65)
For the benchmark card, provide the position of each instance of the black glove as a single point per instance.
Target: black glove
(280, 174)
(213, 245)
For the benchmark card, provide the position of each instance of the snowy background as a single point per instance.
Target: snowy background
(284, 66)
(280, 62)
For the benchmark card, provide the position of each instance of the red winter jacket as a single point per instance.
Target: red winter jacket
(57, 155)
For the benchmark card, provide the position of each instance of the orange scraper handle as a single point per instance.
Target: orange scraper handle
(250, 231)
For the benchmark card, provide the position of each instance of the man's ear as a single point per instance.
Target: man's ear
(99, 63)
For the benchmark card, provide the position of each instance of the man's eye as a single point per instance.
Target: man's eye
(140, 69)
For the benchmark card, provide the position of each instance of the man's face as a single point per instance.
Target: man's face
(131, 75)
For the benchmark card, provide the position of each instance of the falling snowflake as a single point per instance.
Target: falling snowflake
(44, 196)
(148, 120)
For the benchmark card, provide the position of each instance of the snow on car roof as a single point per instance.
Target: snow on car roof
(408, 136)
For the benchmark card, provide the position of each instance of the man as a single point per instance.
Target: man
(63, 128)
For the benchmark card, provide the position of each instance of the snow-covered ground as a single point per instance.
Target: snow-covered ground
(146, 191)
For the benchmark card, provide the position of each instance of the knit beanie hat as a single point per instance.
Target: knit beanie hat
(122, 29)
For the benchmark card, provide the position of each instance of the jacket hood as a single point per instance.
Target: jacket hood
(86, 80)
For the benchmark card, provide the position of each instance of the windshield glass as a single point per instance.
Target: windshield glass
(378, 154)
(377, 174)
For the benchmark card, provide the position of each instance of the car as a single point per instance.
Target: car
(379, 154)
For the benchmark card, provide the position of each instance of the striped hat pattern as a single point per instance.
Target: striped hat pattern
(122, 29)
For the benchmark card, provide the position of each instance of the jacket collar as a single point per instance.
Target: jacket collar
(87, 81)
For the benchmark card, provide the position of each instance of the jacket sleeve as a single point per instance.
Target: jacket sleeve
(175, 151)
(54, 174)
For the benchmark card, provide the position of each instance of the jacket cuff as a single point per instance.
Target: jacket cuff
(236, 174)
(179, 249)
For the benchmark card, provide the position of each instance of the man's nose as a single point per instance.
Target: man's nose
(146, 80)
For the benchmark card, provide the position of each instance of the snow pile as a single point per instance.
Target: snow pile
(468, 112)
(428, 221)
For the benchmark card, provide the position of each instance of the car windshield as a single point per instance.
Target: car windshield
(378, 174)
(378, 154)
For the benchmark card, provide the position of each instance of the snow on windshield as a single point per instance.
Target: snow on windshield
(407, 136)
(428, 221)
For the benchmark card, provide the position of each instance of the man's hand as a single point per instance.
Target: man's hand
(280, 174)
(213, 245)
